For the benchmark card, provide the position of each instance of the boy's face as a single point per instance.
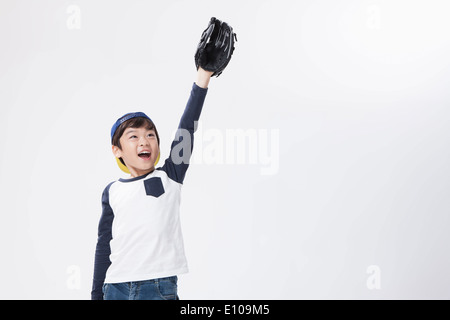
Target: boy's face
(139, 150)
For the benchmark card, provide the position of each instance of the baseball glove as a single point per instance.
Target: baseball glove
(216, 47)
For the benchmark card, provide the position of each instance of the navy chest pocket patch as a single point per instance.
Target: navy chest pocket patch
(154, 187)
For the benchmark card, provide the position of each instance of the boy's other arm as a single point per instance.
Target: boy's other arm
(103, 249)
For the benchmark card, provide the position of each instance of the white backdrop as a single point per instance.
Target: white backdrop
(343, 107)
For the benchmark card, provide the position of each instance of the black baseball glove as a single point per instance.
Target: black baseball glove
(216, 47)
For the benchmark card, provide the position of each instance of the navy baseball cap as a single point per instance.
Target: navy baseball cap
(124, 118)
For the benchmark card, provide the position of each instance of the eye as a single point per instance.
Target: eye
(131, 137)
(151, 135)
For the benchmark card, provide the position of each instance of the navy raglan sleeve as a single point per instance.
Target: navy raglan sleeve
(177, 163)
(103, 249)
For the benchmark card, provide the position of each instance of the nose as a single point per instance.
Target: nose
(144, 142)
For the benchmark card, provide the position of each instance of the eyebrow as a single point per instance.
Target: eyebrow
(130, 131)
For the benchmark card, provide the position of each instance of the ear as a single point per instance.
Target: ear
(116, 151)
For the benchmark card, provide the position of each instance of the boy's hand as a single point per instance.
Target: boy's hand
(203, 78)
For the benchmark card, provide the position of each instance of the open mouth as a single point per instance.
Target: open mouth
(144, 155)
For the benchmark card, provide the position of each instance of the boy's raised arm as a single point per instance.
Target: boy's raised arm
(177, 163)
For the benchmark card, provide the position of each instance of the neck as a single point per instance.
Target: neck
(137, 173)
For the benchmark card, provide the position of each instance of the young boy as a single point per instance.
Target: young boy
(140, 248)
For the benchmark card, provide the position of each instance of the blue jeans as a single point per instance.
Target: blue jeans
(155, 289)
